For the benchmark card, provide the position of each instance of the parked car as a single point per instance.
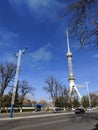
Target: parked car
(79, 111)
(89, 109)
(94, 108)
(57, 109)
(68, 109)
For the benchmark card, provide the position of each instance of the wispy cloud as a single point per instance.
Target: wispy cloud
(39, 58)
(8, 57)
(7, 35)
(7, 39)
(95, 56)
(42, 8)
(42, 54)
(8, 45)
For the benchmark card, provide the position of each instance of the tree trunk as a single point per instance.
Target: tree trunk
(1, 104)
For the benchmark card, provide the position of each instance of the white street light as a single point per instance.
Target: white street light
(86, 85)
(16, 79)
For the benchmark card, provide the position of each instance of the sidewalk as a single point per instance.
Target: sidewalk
(22, 116)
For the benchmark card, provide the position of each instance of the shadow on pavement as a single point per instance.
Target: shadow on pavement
(96, 127)
(87, 117)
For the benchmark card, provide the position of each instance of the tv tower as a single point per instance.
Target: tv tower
(71, 77)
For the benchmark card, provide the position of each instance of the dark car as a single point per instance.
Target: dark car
(57, 109)
(79, 111)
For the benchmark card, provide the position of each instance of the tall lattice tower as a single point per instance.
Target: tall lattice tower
(71, 77)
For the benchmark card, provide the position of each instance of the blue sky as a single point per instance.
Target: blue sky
(35, 24)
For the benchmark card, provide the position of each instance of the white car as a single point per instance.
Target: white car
(89, 109)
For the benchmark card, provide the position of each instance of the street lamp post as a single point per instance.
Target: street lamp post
(16, 79)
(89, 99)
(86, 85)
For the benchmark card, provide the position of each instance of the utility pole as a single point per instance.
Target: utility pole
(89, 99)
(16, 80)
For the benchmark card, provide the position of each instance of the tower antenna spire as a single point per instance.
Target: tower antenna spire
(67, 40)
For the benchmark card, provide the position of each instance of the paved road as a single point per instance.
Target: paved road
(88, 121)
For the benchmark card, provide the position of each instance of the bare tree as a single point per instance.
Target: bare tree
(7, 72)
(84, 20)
(94, 99)
(54, 88)
(44, 102)
(85, 101)
(24, 88)
(51, 88)
(63, 99)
